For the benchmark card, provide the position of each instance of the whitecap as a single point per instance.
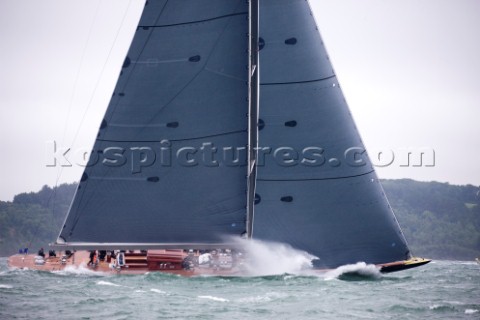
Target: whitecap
(5, 286)
(255, 299)
(359, 268)
(157, 291)
(78, 270)
(442, 307)
(471, 311)
(213, 298)
(106, 283)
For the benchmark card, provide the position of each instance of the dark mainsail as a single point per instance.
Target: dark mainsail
(174, 163)
(331, 204)
(183, 87)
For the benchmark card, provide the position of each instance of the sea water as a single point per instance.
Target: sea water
(439, 290)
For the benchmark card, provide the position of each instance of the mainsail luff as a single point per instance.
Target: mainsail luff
(183, 87)
(254, 85)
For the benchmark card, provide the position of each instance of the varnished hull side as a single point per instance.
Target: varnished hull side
(81, 259)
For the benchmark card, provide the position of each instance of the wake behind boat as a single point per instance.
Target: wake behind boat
(228, 121)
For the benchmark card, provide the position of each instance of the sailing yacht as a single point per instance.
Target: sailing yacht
(228, 122)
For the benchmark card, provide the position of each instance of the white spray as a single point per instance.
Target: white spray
(271, 258)
(359, 268)
(79, 270)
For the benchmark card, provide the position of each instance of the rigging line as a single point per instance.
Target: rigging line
(317, 179)
(77, 217)
(297, 82)
(75, 85)
(394, 217)
(102, 71)
(70, 104)
(77, 76)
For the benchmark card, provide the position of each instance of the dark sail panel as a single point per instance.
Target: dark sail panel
(163, 168)
(340, 221)
(167, 201)
(316, 188)
(308, 132)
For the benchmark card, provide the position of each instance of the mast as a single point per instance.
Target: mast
(254, 80)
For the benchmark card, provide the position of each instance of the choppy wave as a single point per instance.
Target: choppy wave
(471, 311)
(213, 298)
(442, 307)
(157, 291)
(106, 283)
(267, 297)
(79, 270)
(413, 294)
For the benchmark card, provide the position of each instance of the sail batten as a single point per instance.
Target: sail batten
(194, 22)
(319, 179)
(179, 140)
(296, 82)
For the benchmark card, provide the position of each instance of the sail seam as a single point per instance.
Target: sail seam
(197, 21)
(182, 89)
(316, 179)
(296, 82)
(115, 105)
(175, 140)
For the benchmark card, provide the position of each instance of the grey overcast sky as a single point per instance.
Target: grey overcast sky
(410, 70)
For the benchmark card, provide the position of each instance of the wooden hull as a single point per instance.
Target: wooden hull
(166, 261)
(170, 262)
